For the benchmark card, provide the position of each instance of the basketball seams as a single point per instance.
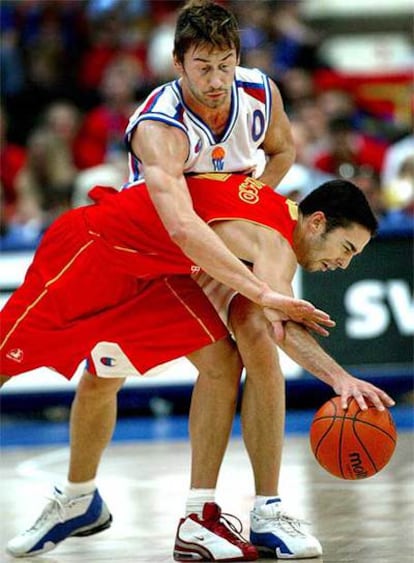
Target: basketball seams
(374, 426)
(392, 437)
(352, 443)
(340, 452)
(363, 446)
(332, 418)
(355, 419)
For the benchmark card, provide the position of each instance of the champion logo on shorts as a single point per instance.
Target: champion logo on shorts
(107, 361)
(16, 354)
(195, 269)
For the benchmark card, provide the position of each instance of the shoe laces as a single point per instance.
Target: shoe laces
(290, 524)
(225, 528)
(54, 507)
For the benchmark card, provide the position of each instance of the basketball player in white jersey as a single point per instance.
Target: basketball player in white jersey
(217, 117)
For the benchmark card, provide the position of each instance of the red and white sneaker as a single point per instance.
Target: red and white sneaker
(211, 538)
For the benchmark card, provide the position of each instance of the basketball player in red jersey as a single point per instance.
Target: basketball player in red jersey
(124, 232)
(216, 117)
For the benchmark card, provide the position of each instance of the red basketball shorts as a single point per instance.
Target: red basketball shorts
(72, 304)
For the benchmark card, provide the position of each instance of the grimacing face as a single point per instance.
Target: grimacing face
(207, 75)
(323, 251)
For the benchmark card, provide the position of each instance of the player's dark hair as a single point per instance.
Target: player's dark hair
(342, 203)
(203, 22)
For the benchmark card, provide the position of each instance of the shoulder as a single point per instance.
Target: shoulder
(161, 97)
(244, 74)
(163, 106)
(254, 84)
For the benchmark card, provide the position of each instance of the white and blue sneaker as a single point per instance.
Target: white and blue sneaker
(62, 518)
(275, 533)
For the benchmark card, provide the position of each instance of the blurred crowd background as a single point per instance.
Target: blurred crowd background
(73, 71)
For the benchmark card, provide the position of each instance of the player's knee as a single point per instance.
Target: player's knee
(248, 318)
(90, 384)
(227, 367)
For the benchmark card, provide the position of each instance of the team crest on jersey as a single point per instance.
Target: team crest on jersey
(217, 158)
(16, 354)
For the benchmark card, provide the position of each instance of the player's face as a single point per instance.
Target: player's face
(207, 76)
(328, 251)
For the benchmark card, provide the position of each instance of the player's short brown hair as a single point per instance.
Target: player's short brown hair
(343, 204)
(203, 22)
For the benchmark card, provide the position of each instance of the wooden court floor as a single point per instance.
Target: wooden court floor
(145, 484)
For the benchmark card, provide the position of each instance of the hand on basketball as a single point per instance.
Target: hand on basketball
(362, 391)
(346, 442)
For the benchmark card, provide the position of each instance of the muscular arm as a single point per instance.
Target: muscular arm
(274, 261)
(163, 150)
(306, 351)
(278, 143)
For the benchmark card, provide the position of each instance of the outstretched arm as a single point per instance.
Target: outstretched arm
(305, 350)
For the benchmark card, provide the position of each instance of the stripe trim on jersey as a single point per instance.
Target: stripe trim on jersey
(153, 100)
(161, 117)
(268, 104)
(134, 160)
(134, 174)
(261, 92)
(234, 111)
(253, 89)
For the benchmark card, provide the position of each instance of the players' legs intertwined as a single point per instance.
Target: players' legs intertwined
(78, 509)
(213, 405)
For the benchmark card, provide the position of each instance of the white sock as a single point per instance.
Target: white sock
(197, 498)
(72, 490)
(260, 500)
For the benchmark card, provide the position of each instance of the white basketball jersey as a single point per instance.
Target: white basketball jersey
(237, 149)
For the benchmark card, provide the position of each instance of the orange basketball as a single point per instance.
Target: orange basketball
(352, 443)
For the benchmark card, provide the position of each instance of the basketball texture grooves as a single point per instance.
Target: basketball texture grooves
(352, 444)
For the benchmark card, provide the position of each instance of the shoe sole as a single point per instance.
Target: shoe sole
(91, 531)
(269, 553)
(194, 556)
(50, 546)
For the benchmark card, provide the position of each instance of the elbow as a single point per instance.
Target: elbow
(180, 232)
(290, 153)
